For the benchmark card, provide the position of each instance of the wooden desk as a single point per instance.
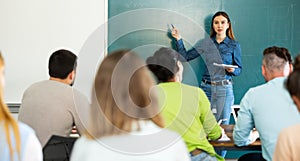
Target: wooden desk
(229, 145)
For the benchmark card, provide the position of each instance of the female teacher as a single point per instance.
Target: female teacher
(220, 48)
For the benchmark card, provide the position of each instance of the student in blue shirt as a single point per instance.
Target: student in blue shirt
(220, 48)
(267, 107)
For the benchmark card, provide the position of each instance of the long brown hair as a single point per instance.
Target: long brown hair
(229, 31)
(122, 96)
(293, 81)
(8, 121)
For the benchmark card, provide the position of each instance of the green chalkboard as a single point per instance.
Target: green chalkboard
(143, 26)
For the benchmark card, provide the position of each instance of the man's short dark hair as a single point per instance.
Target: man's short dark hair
(61, 63)
(275, 58)
(280, 52)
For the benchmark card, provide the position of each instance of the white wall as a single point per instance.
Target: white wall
(31, 29)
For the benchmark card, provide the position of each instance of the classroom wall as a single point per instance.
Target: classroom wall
(143, 26)
(32, 29)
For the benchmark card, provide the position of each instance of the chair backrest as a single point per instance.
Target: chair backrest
(58, 148)
(234, 111)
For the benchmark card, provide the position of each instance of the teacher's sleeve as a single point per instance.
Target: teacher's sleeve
(188, 55)
(237, 60)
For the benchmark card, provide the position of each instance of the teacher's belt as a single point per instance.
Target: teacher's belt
(217, 83)
(196, 152)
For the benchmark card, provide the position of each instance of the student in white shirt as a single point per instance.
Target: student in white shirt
(125, 122)
(18, 141)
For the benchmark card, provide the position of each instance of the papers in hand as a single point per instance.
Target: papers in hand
(225, 65)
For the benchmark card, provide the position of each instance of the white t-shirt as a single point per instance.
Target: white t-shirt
(150, 143)
(31, 149)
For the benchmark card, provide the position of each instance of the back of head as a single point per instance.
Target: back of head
(163, 64)
(297, 62)
(288, 55)
(275, 60)
(293, 81)
(61, 63)
(122, 95)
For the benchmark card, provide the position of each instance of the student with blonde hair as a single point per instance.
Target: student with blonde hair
(125, 120)
(18, 141)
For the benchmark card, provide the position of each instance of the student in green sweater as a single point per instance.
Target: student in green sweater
(185, 108)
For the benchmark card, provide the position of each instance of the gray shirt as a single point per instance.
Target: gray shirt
(53, 108)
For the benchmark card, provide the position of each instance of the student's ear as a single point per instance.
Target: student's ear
(180, 71)
(71, 75)
(179, 64)
(296, 101)
(263, 71)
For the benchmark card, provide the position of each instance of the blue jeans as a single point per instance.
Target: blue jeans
(221, 99)
(203, 157)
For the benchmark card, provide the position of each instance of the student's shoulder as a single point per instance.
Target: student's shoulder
(192, 88)
(268, 86)
(294, 129)
(288, 134)
(78, 93)
(36, 84)
(24, 128)
(44, 84)
(257, 89)
(188, 86)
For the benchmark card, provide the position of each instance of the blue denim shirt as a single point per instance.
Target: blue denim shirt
(226, 52)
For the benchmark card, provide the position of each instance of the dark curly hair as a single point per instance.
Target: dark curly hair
(163, 64)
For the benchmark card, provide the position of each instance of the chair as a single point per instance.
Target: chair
(252, 157)
(234, 110)
(58, 148)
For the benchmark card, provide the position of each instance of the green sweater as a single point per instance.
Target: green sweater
(186, 110)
